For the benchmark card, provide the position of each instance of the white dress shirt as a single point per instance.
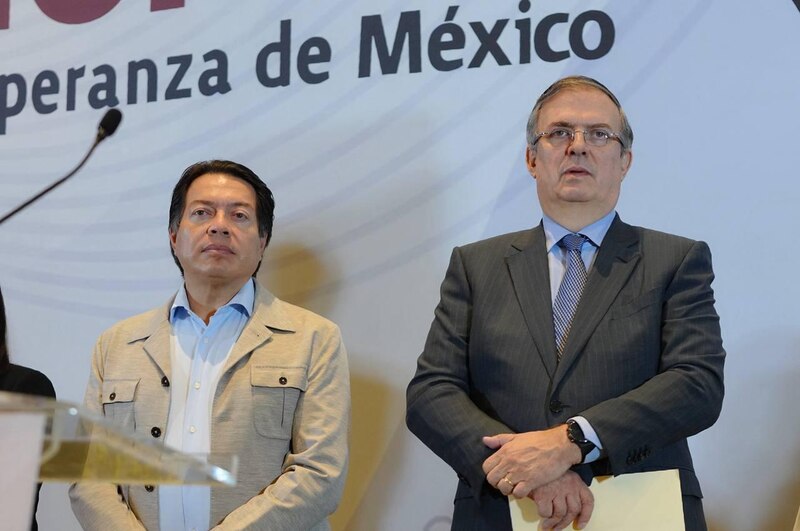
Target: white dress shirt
(197, 355)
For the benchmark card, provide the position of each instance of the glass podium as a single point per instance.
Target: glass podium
(47, 440)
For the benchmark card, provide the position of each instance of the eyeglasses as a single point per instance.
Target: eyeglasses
(564, 136)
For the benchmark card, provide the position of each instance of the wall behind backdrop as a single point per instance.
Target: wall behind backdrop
(390, 132)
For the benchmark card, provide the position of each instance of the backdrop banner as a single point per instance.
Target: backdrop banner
(390, 132)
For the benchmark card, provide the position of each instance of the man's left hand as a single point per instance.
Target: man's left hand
(564, 501)
(525, 461)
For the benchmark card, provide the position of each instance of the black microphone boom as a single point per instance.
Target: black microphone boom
(108, 125)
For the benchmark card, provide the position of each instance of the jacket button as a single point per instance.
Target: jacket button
(556, 406)
(164, 382)
(155, 432)
(282, 380)
(149, 488)
(112, 396)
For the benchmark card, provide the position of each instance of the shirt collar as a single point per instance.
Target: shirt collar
(243, 301)
(595, 232)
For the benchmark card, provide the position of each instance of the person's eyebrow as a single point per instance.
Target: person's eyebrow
(571, 125)
(234, 204)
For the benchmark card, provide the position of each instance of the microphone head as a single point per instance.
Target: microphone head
(109, 123)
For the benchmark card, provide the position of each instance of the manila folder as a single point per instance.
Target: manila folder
(648, 501)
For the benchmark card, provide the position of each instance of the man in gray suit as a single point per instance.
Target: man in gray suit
(582, 347)
(224, 368)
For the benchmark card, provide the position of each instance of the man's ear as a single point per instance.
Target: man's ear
(172, 239)
(530, 160)
(627, 160)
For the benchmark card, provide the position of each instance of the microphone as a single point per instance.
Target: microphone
(107, 127)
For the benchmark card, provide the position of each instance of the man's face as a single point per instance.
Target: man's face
(217, 239)
(578, 174)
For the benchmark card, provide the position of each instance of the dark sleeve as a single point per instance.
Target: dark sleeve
(685, 397)
(440, 411)
(28, 381)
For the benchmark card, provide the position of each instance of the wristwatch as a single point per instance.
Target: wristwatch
(576, 436)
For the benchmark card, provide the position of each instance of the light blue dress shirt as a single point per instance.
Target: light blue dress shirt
(557, 263)
(197, 355)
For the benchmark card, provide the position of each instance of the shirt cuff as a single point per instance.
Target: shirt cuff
(590, 435)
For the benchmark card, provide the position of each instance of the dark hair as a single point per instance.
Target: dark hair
(577, 82)
(3, 344)
(265, 203)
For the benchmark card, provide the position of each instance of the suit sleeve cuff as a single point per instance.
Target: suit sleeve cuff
(590, 435)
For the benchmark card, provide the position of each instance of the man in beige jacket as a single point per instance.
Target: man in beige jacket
(224, 367)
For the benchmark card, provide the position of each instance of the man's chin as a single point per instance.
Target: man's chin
(576, 196)
(215, 273)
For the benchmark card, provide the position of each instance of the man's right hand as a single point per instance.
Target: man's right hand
(525, 461)
(563, 501)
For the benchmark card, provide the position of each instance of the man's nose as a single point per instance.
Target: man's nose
(219, 225)
(578, 142)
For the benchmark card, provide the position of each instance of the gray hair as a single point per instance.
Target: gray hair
(574, 82)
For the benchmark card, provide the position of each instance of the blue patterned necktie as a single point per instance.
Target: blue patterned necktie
(570, 290)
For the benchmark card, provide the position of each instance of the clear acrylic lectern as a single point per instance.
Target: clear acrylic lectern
(46, 440)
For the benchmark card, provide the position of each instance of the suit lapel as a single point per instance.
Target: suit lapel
(156, 332)
(530, 276)
(267, 314)
(157, 347)
(616, 260)
(255, 334)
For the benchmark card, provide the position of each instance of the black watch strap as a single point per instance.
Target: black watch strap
(576, 436)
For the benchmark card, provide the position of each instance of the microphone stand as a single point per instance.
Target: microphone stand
(108, 125)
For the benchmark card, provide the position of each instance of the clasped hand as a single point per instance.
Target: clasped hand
(536, 464)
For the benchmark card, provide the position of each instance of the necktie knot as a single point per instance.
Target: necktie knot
(573, 242)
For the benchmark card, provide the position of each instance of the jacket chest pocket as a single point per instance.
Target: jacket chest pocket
(637, 305)
(118, 402)
(276, 391)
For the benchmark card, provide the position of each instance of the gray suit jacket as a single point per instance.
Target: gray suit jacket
(643, 362)
(282, 405)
